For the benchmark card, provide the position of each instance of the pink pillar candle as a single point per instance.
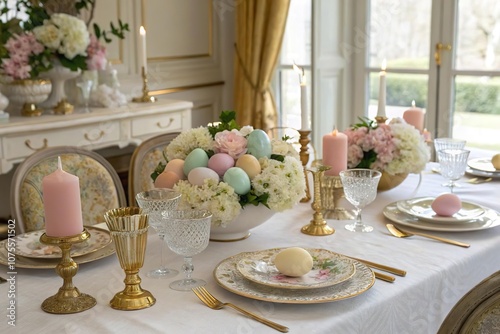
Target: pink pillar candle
(62, 204)
(414, 116)
(335, 152)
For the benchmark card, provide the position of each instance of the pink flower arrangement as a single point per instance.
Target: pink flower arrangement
(96, 55)
(230, 142)
(26, 56)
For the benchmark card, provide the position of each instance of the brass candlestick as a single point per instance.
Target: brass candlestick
(145, 90)
(304, 158)
(381, 119)
(317, 226)
(68, 299)
(332, 191)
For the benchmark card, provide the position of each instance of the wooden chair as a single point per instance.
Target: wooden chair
(476, 312)
(144, 160)
(100, 186)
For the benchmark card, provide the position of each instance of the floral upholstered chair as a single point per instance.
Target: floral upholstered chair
(100, 186)
(144, 160)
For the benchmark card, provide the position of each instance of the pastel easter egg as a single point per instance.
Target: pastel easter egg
(220, 163)
(197, 158)
(167, 179)
(446, 205)
(238, 180)
(259, 144)
(198, 175)
(176, 166)
(293, 261)
(249, 164)
(496, 161)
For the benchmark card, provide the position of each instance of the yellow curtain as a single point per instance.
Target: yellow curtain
(260, 27)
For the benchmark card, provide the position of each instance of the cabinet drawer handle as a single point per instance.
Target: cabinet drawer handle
(45, 145)
(99, 136)
(171, 120)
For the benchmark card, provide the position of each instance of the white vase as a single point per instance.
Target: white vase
(26, 95)
(58, 75)
(251, 216)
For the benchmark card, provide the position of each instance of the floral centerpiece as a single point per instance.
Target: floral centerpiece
(269, 170)
(394, 148)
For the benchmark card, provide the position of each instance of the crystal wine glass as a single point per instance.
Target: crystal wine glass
(453, 163)
(154, 202)
(360, 189)
(187, 234)
(85, 87)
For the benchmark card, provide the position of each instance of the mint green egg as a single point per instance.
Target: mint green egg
(197, 158)
(238, 180)
(259, 144)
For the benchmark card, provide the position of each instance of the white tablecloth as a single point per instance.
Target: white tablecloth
(438, 275)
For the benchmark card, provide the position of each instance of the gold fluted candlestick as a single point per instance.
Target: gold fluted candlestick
(145, 90)
(332, 191)
(304, 158)
(68, 299)
(318, 225)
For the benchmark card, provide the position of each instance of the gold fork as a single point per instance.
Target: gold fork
(208, 299)
(479, 180)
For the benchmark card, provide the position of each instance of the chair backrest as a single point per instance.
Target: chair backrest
(100, 185)
(144, 160)
(476, 312)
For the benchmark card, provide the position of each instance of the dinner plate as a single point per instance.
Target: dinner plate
(421, 208)
(229, 278)
(29, 245)
(483, 164)
(8, 259)
(477, 172)
(328, 269)
(489, 220)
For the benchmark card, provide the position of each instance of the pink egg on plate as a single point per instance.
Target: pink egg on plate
(176, 166)
(220, 163)
(167, 179)
(446, 205)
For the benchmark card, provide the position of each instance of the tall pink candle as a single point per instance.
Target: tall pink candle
(62, 204)
(415, 117)
(335, 152)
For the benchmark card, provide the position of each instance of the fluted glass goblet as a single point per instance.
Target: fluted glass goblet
(453, 164)
(360, 189)
(187, 234)
(154, 202)
(85, 88)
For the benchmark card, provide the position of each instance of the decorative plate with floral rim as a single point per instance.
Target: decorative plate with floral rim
(29, 245)
(328, 269)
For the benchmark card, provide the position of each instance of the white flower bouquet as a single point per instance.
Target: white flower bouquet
(223, 168)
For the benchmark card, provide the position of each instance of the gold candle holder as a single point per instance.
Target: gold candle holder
(317, 225)
(145, 90)
(129, 230)
(68, 299)
(332, 191)
(381, 119)
(304, 158)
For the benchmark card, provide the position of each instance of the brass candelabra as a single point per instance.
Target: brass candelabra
(68, 299)
(304, 158)
(318, 225)
(145, 90)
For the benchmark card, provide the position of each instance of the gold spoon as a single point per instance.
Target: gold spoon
(397, 232)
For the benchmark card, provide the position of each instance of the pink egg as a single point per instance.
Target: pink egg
(446, 205)
(220, 163)
(176, 166)
(167, 179)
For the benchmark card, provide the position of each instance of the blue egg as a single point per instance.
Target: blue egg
(197, 158)
(238, 180)
(259, 144)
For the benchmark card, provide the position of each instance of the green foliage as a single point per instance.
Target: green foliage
(78, 62)
(365, 122)
(252, 198)
(227, 122)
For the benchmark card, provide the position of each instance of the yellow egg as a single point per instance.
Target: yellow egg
(496, 161)
(293, 261)
(249, 164)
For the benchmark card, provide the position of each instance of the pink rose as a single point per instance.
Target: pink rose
(230, 142)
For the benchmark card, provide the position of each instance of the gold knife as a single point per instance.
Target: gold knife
(383, 267)
(384, 277)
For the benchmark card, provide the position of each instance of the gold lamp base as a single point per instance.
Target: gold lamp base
(68, 299)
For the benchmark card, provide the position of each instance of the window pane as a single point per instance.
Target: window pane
(478, 37)
(296, 45)
(400, 33)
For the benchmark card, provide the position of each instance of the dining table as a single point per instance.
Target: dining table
(437, 276)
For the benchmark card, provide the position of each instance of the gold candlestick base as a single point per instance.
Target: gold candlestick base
(381, 119)
(332, 191)
(304, 158)
(317, 225)
(68, 299)
(145, 90)
(63, 108)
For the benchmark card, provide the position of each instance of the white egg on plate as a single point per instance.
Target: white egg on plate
(293, 261)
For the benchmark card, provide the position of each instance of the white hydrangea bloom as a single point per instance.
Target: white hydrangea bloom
(187, 141)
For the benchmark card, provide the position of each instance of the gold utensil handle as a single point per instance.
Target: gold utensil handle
(384, 277)
(269, 323)
(453, 242)
(391, 270)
